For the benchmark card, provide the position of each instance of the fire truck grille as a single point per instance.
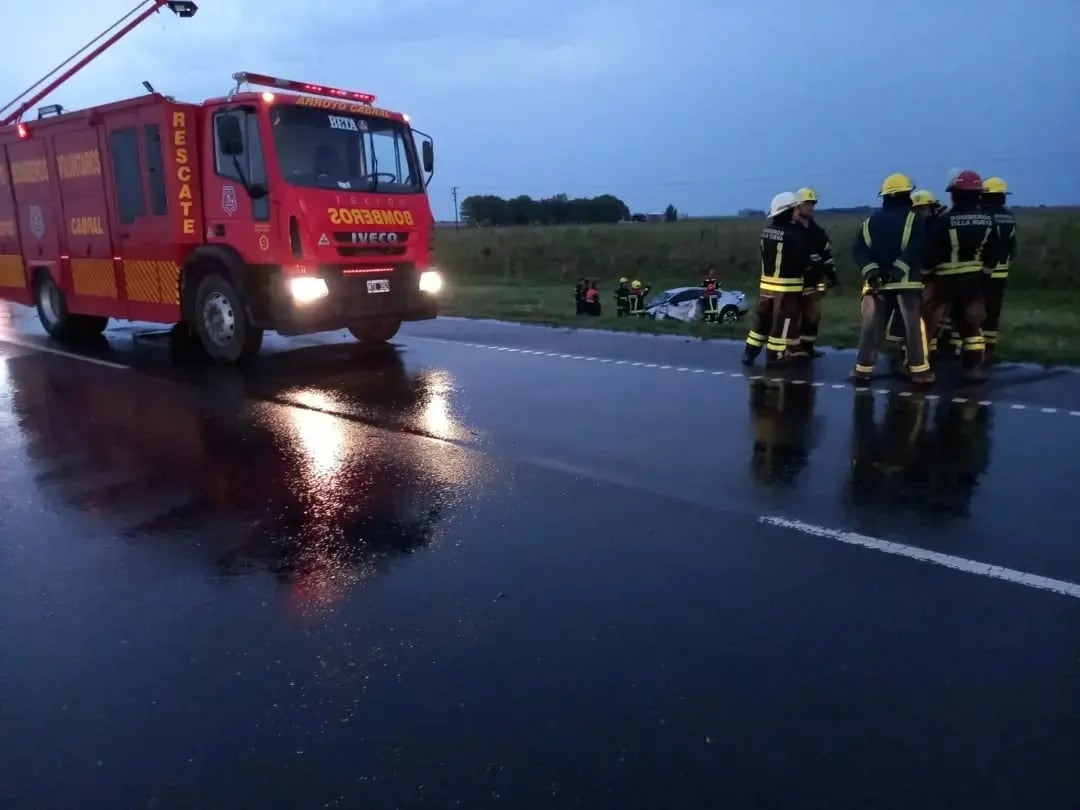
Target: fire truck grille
(377, 243)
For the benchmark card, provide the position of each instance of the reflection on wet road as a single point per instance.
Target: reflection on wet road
(440, 575)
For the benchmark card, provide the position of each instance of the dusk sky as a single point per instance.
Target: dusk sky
(711, 106)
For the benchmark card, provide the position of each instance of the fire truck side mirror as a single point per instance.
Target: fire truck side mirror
(428, 151)
(230, 138)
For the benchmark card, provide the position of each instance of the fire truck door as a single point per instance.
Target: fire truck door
(140, 215)
(233, 217)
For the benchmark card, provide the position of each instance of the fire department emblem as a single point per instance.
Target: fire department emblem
(37, 221)
(228, 200)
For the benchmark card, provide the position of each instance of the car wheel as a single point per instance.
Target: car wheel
(221, 321)
(729, 314)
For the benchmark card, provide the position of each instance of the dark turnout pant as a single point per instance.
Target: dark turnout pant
(811, 319)
(905, 307)
(776, 325)
(942, 295)
(995, 297)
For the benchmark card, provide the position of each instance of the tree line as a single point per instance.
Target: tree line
(488, 209)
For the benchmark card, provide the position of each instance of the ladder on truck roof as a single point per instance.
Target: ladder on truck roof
(13, 111)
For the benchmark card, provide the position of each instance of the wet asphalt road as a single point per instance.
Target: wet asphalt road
(502, 566)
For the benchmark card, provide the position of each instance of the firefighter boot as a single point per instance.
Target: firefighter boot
(921, 377)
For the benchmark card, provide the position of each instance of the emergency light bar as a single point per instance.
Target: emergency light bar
(302, 87)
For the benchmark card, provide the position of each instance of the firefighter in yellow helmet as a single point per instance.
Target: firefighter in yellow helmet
(993, 202)
(926, 205)
(820, 275)
(637, 297)
(889, 250)
(622, 298)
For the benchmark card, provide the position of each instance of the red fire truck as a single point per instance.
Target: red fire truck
(296, 208)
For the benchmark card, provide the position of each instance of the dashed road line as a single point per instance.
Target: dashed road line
(925, 555)
(859, 389)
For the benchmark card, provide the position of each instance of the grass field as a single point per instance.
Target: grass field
(528, 273)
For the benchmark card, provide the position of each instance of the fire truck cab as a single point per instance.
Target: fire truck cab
(296, 208)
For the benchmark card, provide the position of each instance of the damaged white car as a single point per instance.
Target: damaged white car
(685, 304)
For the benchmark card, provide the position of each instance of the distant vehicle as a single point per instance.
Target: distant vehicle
(684, 304)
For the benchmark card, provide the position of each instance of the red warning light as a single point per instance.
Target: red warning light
(23, 130)
(303, 87)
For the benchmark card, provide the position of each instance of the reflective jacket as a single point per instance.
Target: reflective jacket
(785, 257)
(822, 264)
(893, 236)
(963, 241)
(1005, 224)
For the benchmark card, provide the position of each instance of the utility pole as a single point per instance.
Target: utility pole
(456, 225)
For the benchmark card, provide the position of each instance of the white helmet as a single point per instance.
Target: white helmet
(782, 202)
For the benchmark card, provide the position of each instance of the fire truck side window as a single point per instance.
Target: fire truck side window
(127, 172)
(251, 162)
(155, 164)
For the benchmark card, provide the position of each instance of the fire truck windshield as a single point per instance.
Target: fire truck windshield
(338, 150)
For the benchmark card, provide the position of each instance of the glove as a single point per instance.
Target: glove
(893, 274)
(831, 280)
(873, 280)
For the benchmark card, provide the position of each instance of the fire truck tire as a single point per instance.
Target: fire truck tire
(375, 330)
(55, 318)
(221, 321)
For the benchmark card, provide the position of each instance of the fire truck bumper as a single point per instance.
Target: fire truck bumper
(333, 298)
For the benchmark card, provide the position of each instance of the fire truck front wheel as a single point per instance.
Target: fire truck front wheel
(54, 316)
(375, 330)
(221, 321)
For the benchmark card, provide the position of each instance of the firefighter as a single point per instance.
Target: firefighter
(638, 291)
(822, 273)
(888, 250)
(925, 204)
(993, 202)
(579, 295)
(785, 256)
(710, 298)
(622, 298)
(963, 250)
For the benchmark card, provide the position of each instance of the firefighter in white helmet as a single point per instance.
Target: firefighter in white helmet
(785, 257)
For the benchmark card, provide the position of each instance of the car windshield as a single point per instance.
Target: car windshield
(341, 150)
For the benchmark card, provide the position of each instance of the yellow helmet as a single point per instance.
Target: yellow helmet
(622, 279)
(923, 197)
(896, 183)
(806, 194)
(636, 284)
(995, 185)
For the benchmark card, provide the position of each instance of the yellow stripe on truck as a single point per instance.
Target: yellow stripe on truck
(152, 282)
(11, 271)
(94, 277)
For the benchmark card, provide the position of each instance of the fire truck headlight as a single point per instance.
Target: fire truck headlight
(305, 289)
(430, 281)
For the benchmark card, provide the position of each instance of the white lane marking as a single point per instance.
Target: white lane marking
(716, 373)
(70, 355)
(924, 555)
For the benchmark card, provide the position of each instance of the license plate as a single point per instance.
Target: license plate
(378, 286)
